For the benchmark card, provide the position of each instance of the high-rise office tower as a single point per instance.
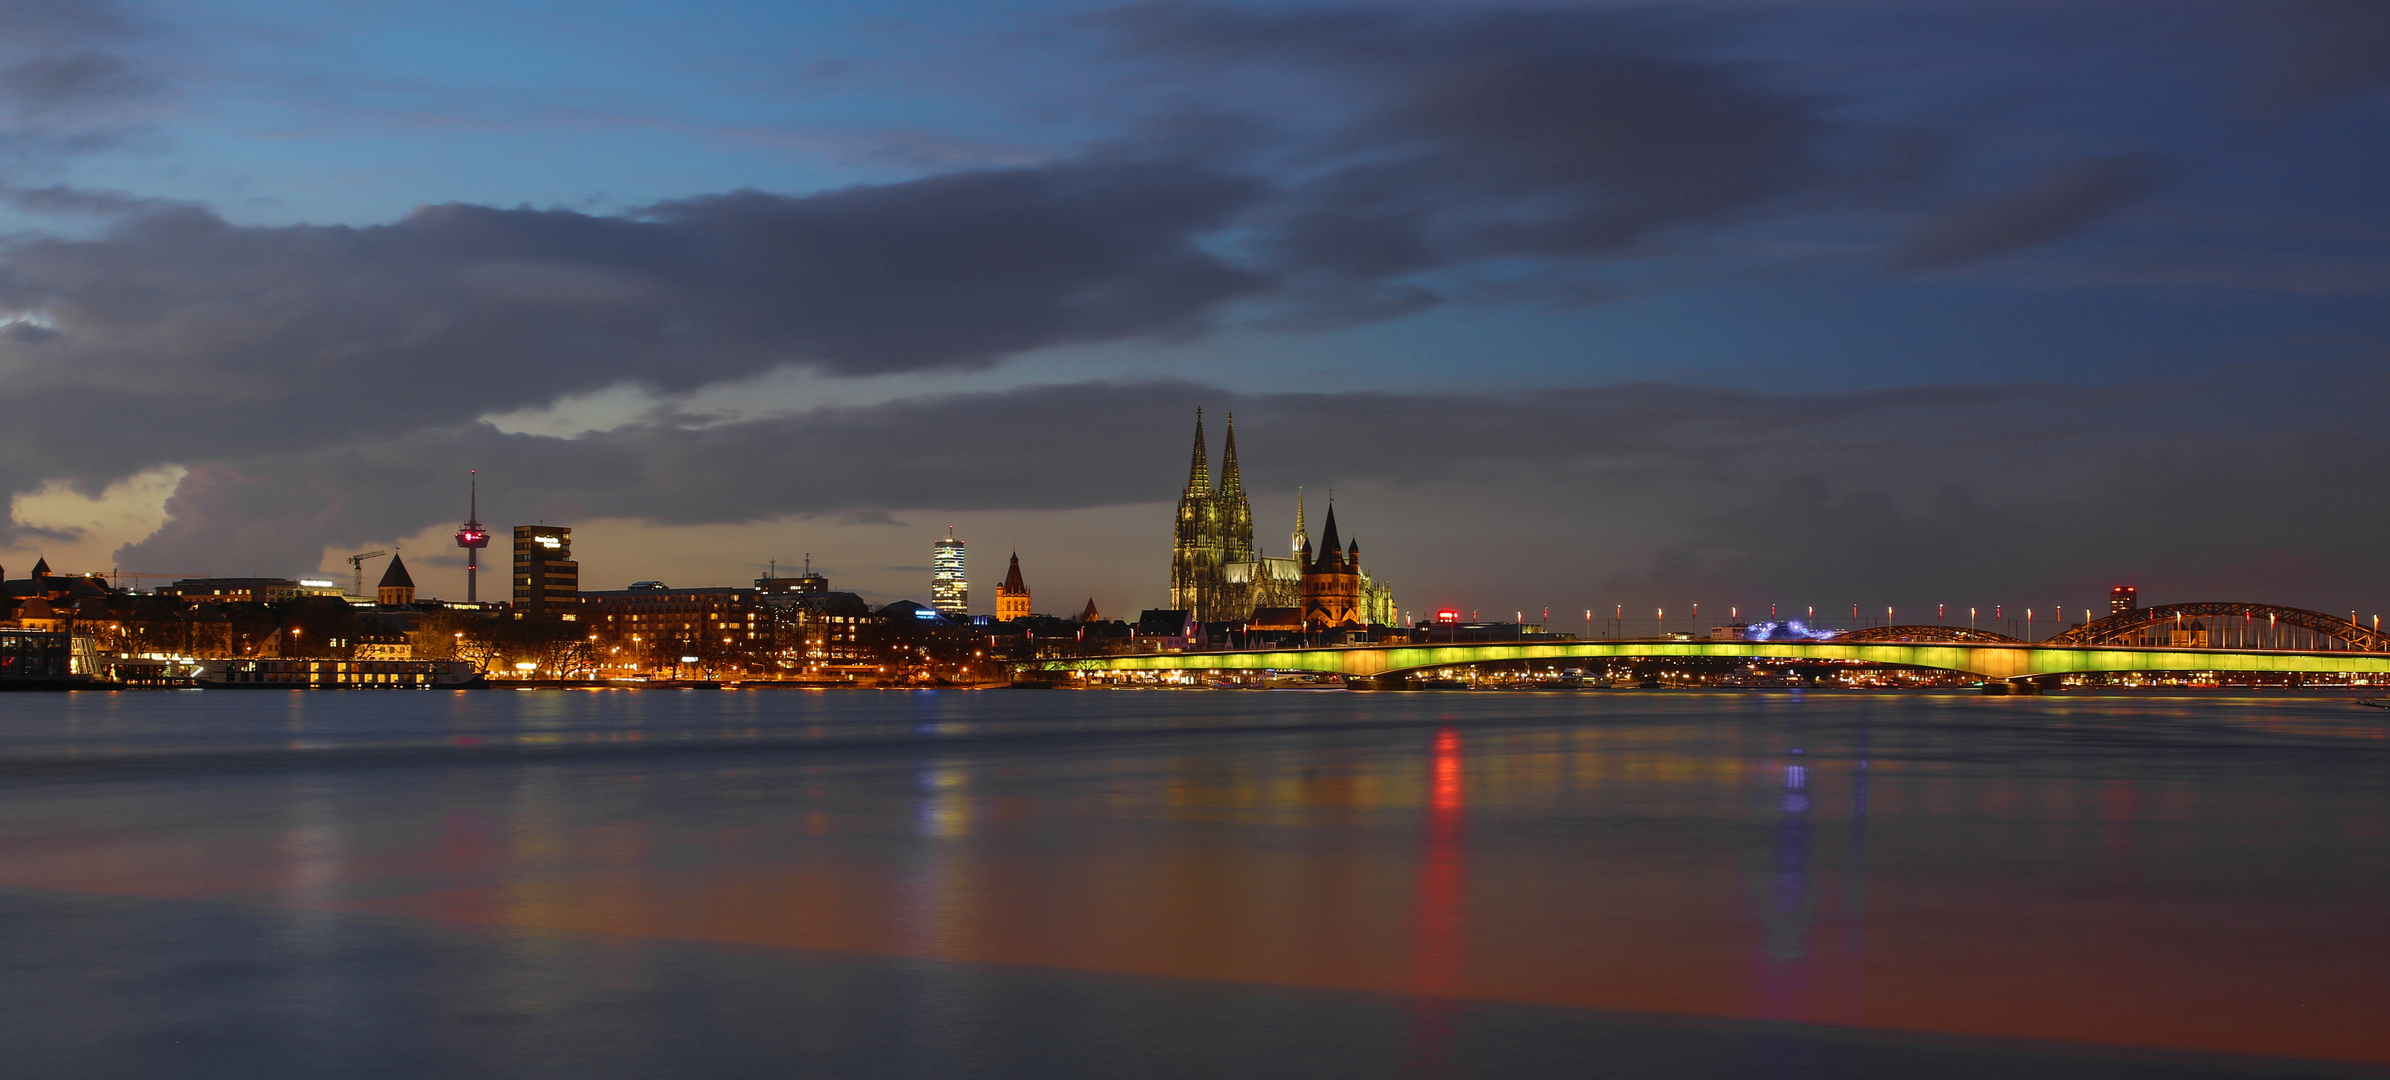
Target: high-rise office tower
(2123, 598)
(547, 580)
(949, 582)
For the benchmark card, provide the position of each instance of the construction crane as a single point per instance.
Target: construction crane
(357, 563)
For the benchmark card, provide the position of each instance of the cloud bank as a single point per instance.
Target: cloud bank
(1676, 488)
(1289, 171)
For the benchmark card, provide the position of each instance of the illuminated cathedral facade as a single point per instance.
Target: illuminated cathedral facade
(1218, 575)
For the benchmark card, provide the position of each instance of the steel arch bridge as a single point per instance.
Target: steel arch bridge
(1990, 661)
(2127, 625)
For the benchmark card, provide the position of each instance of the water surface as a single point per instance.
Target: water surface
(1038, 884)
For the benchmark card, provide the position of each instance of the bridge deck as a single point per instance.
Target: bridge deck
(1991, 661)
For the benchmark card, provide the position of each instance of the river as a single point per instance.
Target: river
(1192, 884)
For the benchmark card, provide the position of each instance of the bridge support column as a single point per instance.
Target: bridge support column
(2021, 687)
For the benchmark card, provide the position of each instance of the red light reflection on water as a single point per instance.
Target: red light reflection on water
(1436, 925)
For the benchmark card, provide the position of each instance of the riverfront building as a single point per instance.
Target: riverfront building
(547, 580)
(652, 625)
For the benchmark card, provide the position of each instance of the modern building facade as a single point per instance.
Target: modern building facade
(547, 580)
(949, 578)
(802, 585)
(828, 632)
(234, 590)
(655, 627)
(1012, 597)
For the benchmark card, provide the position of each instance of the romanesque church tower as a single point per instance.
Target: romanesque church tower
(1012, 597)
(1332, 582)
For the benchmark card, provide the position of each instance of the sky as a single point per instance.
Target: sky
(1578, 307)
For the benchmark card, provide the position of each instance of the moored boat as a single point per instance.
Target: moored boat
(279, 674)
(1304, 682)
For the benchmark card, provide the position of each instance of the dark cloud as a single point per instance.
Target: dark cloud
(1470, 140)
(63, 199)
(1349, 165)
(2317, 51)
(44, 83)
(1666, 491)
(523, 306)
(71, 77)
(1495, 135)
(2060, 204)
(1099, 445)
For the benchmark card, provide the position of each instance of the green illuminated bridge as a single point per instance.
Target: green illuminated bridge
(2258, 639)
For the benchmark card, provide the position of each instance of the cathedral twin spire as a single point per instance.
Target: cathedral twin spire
(1215, 528)
(1216, 575)
(1199, 474)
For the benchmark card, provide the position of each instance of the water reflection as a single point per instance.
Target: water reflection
(1788, 909)
(311, 852)
(1822, 860)
(935, 897)
(1436, 937)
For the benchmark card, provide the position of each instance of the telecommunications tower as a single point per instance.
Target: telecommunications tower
(472, 537)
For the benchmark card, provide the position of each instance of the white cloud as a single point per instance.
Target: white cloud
(85, 529)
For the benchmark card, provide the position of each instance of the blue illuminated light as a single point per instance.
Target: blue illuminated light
(1788, 630)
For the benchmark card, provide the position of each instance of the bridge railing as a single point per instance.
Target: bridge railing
(1987, 660)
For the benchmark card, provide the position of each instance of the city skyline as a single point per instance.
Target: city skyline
(1809, 313)
(2032, 617)
(1673, 539)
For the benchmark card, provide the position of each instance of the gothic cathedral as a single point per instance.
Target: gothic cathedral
(1215, 528)
(1217, 575)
